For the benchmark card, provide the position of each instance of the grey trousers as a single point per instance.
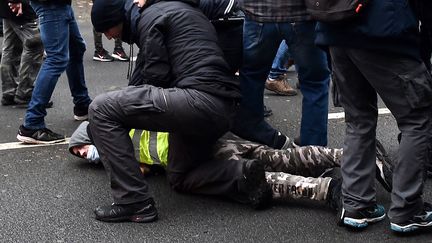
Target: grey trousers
(195, 121)
(21, 58)
(405, 86)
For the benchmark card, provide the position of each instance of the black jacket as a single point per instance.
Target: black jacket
(178, 48)
(27, 16)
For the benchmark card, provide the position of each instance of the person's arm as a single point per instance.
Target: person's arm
(216, 9)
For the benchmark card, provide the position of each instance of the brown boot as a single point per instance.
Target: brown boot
(280, 87)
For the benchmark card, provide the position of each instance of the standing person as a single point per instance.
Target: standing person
(22, 53)
(370, 58)
(103, 55)
(181, 84)
(267, 23)
(65, 48)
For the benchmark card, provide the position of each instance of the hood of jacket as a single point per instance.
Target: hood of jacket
(79, 137)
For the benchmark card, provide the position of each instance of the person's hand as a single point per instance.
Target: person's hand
(139, 3)
(16, 8)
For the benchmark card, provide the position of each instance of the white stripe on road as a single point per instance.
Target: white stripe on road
(19, 145)
(341, 115)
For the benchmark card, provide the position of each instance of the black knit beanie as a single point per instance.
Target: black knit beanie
(106, 14)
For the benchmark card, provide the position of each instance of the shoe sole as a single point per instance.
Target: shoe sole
(119, 58)
(259, 189)
(408, 228)
(361, 223)
(139, 218)
(29, 140)
(81, 118)
(293, 93)
(102, 60)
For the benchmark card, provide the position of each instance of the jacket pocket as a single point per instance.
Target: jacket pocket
(417, 87)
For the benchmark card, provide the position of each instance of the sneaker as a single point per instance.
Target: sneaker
(280, 87)
(143, 212)
(38, 136)
(267, 111)
(384, 167)
(254, 184)
(7, 101)
(421, 220)
(102, 56)
(360, 219)
(120, 55)
(334, 191)
(80, 113)
(283, 142)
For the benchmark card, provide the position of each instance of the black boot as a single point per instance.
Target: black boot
(142, 212)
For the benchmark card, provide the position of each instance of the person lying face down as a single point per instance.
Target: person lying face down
(302, 172)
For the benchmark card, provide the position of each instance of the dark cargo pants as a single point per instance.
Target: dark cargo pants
(195, 121)
(405, 86)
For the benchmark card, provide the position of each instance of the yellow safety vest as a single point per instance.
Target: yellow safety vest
(153, 147)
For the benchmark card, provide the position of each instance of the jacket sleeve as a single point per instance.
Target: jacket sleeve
(215, 9)
(154, 66)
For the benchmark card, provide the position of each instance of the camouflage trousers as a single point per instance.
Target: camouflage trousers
(292, 173)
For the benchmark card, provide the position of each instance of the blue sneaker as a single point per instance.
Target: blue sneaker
(422, 220)
(361, 219)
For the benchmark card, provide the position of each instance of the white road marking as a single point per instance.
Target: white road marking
(341, 115)
(19, 145)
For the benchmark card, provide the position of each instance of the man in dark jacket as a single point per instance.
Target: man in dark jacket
(378, 53)
(182, 85)
(22, 52)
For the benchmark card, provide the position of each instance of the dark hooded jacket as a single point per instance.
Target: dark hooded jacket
(386, 25)
(28, 14)
(178, 48)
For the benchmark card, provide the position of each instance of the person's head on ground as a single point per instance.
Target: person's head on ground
(81, 146)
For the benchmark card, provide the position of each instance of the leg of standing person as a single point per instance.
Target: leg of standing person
(260, 43)
(405, 87)
(314, 77)
(31, 60)
(100, 54)
(10, 61)
(276, 80)
(59, 33)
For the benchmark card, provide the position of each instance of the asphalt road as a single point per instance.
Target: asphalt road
(47, 195)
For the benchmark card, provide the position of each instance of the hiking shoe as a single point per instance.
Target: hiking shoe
(143, 212)
(254, 184)
(421, 220)
(102, 56)
(384, 167)
(280, 87)
(38, 136)
(120, 55)
(334, 190)
(360, 219)
(283, 142)
(81, 113)
(267, 112)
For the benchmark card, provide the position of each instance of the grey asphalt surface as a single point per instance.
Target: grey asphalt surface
(48, 195)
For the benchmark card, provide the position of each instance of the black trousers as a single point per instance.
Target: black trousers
(195, 121)
(405, 86)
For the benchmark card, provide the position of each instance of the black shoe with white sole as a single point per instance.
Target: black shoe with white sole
(38, 136)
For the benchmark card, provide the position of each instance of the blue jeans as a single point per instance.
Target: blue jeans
(260, 43)
(65, 48)
(278, 68)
